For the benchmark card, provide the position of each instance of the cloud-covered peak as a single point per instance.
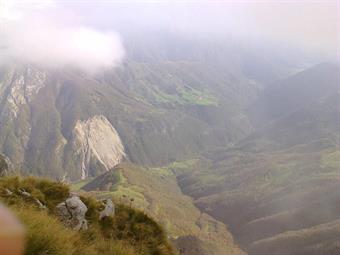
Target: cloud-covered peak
(40, 33)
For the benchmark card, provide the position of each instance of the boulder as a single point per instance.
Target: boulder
(72, 213)
(4, 165)
(28, 195)
(109, 209)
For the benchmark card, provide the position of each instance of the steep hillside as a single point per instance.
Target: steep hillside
(126, 232)
(42, 132)
(277, 189)
(320, 239)
(155, 191)
(161, 105)
(285, 96)
(177, 98)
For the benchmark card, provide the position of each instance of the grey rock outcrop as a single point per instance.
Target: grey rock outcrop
(97, 138)
(72, 213)
(28, 195)
(5, 164)
(8, 192)
(109, 209)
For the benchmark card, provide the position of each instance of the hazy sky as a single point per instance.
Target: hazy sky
(68, 28)
(311, 24)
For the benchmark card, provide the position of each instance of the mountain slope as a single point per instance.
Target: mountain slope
(285, 96)
(127, 232)
(155, 191)
(173, 99)
(280, 184)
(163, 105)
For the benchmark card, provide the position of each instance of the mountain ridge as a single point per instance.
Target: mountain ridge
(279, 183)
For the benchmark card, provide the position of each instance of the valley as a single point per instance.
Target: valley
(230, 148)
(279, 185)
(155, 191)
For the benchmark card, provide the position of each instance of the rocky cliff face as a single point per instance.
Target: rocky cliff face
(97, 138)
(65, 124)
(4, 166)
(20, 88)
(32, 134)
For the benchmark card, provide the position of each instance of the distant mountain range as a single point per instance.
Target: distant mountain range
(202, 134)
(173, 98)
(278, 188)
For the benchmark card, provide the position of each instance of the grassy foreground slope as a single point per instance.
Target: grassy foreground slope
(155, 190)
(129, 232)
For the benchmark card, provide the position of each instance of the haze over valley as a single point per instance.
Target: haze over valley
(217, 120)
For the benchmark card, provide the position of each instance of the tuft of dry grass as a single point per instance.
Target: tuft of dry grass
(129, 232)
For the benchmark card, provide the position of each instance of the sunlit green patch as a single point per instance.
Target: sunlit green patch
(186, 96)
(79, 184)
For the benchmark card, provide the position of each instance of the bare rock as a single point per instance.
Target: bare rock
(4, 165)
(8, 192)
(72, 213)
(109, 209)
(97, 138)
(28, 195)
(24, 193)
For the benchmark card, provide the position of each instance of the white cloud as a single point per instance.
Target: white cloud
(38, 32)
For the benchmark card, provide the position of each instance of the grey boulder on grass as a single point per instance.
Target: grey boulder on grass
(72, 213)
(109, 209)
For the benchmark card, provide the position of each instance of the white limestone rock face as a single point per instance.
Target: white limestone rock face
(19, 87)
(35, 80)
(24, 87)
(97, 138)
